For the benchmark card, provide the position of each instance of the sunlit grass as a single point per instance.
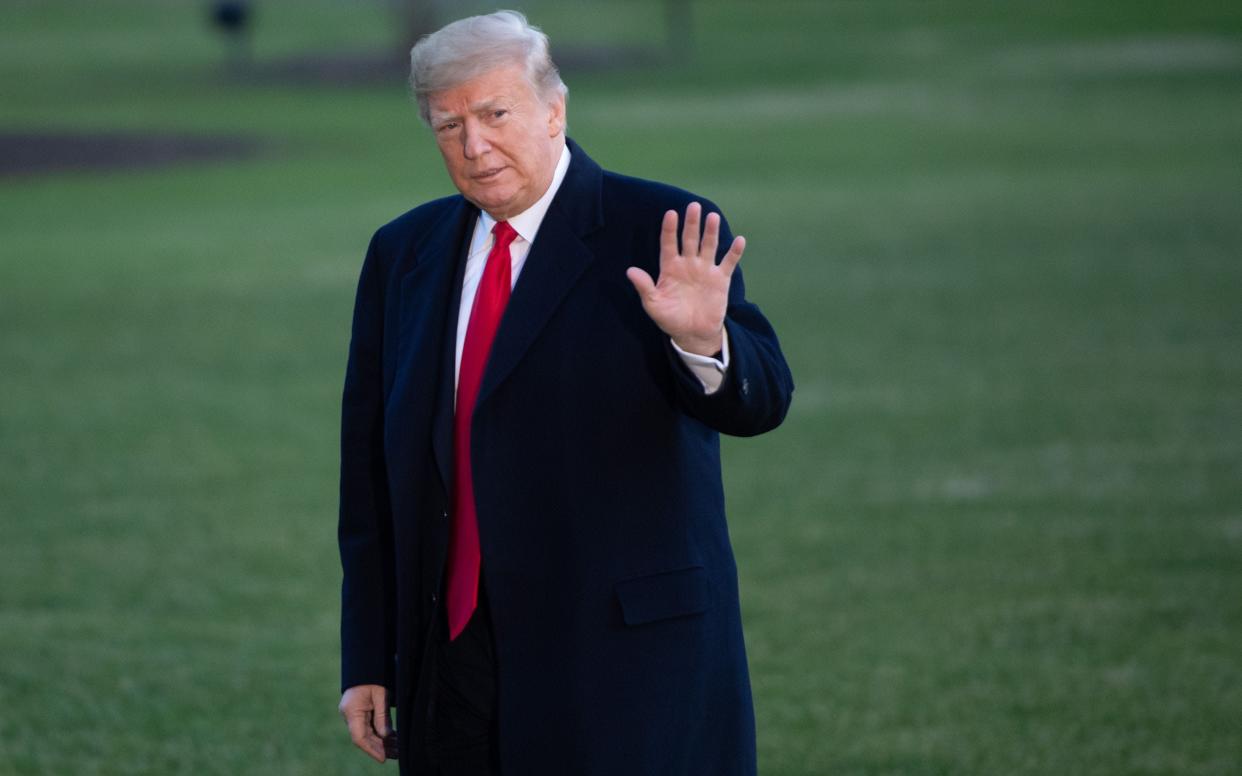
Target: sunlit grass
(999, 533)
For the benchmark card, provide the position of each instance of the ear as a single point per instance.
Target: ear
(556, 115)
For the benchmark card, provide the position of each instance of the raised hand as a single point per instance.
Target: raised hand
(688, 301)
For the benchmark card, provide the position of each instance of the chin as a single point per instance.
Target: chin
(491, 206)
(496, 204)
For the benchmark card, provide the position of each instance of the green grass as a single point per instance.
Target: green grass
(1000, 533)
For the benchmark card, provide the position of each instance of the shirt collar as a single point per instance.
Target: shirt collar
(526, 223)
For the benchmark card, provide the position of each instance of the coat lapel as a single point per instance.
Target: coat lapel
(442, 424)
(556, 261)
(429, 304)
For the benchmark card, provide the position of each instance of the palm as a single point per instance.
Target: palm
(689, 299)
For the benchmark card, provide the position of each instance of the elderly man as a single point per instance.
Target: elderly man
(537, 570)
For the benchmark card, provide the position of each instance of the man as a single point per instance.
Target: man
(537, 570)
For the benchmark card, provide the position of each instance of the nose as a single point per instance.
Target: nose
(474, 141)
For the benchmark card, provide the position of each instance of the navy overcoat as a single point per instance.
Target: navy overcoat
(606, 557)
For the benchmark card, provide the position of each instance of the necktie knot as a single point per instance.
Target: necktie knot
(504, 233)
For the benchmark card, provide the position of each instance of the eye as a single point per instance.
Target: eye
(447, 126)
(499, 113)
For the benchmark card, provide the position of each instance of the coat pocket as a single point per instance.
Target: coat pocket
(662, 596)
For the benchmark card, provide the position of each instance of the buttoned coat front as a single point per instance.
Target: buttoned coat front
(606, 557)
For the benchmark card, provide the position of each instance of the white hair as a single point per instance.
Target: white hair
(470, 47)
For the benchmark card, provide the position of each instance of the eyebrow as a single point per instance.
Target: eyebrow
(482, 106)
(489, 104)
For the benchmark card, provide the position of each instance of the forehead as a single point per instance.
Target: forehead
(504, 84)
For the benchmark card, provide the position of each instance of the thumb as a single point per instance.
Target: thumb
(381, 719)
(641, 281)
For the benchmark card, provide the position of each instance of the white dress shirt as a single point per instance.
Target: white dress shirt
(710, 371)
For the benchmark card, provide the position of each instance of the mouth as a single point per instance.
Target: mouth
(487, 175)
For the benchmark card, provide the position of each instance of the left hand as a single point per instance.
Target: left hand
(688, 302)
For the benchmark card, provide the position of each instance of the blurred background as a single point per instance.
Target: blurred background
(1000, 532)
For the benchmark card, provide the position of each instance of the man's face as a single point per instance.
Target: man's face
(500, 142)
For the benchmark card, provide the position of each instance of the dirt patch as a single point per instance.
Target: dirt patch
(38, 153)
(28, 154)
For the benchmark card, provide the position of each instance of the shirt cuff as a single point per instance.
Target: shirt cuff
(710, 371)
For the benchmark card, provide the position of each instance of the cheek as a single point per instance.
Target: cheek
(450, 152)
(455, 171)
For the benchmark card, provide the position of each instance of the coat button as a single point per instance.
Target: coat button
(434, 598)
(745, 386)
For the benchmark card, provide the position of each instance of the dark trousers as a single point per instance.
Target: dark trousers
(461, 737)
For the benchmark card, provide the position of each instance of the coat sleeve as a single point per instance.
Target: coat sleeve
(364, 530)
(758, 387)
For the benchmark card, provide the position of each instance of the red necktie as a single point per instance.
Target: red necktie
(489, 305)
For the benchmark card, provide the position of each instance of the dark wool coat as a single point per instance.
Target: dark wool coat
(611, 580)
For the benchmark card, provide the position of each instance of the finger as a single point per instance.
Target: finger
(641, 281)
(360, 732)
(690, 230)
(668, 235)
(711, 237)
(362, 736)
(730, 260)
(381, 721)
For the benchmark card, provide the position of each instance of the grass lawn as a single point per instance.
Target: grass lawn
(1000, 532)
